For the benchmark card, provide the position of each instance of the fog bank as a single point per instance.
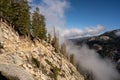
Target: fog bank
(101, 69)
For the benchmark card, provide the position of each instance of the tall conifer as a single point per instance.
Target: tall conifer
(38, 25)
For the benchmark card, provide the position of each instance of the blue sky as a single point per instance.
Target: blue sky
(80, 17)
(93, 12)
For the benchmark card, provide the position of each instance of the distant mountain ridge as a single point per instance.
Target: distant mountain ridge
(106, 44)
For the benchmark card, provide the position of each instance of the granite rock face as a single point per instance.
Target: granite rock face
(23, 59)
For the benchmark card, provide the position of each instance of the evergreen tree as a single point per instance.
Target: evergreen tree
(5, 9)
(63, 49)
(2, 7)
(72, 58)
(49, 38)
(38, 25)
(55, 42)
(22, 17)
(16, 12)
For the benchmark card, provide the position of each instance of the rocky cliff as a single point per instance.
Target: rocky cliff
(23, 59)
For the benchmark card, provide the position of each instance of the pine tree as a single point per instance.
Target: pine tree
(42, 32)
(5, 9)
(16, 12)
(72, 58)
(55, 41)
(63, 49)
(38, 25)
(2, 7)
(49, 38)
(22, 17)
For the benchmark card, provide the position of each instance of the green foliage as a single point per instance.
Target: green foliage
(63, 49)
(43, 68)
(16, 12)
(5, 8)
(49, 38)
(1, 46)
(35, 62)
(71, 72)
(23, 22)
(48, 62)
(55, 42)
(38, 25)
(72, 58)
(62, 75)
(55, 72)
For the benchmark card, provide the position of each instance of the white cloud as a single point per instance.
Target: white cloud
(94, 30)
(54, 12)
(89, 60)
(72, 33)
(30, 0)
(118, 33)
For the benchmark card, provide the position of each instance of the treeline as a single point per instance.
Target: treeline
(17, 14)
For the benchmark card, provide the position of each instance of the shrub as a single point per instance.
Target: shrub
(1, 46)
(35, 62)
(71, 72)
(44, 71)
(55, 72)
(62, 75)
(72, 59)
(48, 62)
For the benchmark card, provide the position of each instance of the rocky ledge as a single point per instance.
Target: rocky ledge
(23, 59)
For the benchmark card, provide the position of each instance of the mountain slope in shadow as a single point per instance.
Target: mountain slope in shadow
(107, 45)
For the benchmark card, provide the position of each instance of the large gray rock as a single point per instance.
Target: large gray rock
(12, 72)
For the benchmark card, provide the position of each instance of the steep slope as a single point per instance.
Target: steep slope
(23, 59)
